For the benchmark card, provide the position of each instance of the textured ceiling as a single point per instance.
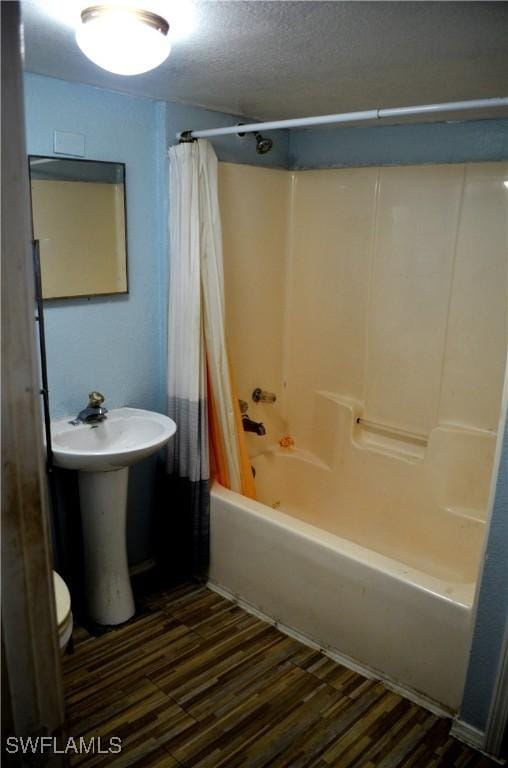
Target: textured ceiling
(284, 59)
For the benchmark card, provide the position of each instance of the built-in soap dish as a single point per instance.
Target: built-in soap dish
(390, 439)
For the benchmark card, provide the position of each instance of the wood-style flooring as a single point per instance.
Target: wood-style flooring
(196, 681)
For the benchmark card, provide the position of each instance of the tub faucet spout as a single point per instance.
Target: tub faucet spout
(253, 426)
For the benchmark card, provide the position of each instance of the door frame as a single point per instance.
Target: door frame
(32, 684)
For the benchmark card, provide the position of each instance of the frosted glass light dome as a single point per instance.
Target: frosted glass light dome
(123, 40)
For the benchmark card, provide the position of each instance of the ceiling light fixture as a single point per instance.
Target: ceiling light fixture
(123, 40)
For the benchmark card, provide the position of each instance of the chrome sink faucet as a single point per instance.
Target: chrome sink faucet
(94, 412)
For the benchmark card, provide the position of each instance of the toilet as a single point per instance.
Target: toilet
(63, 610)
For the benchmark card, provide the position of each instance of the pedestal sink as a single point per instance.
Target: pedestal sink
(103, 453)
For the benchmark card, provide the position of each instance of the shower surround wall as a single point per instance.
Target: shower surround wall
(382, 287)
(398, 295)
(379, 295)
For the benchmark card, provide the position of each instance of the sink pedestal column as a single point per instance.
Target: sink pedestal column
(103, 500)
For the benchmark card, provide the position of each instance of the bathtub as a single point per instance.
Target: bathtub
(357, 557)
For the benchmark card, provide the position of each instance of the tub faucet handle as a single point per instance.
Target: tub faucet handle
(262, 396)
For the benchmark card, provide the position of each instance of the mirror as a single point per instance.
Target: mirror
(79, 219)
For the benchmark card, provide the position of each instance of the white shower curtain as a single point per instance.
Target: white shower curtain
(197, 355)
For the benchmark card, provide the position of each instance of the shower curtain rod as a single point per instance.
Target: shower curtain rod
(346, 117)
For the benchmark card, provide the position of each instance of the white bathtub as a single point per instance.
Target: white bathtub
(389, 584)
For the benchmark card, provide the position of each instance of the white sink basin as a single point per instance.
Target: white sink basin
(103, 454)
(126, 436)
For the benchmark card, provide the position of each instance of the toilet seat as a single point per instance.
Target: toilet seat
(63, 610)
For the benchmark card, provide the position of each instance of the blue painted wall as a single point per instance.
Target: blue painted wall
(106, 343)
(112, 344)
(492, 612)
(479, 140)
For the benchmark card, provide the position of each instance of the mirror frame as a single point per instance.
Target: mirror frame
(87, 160)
